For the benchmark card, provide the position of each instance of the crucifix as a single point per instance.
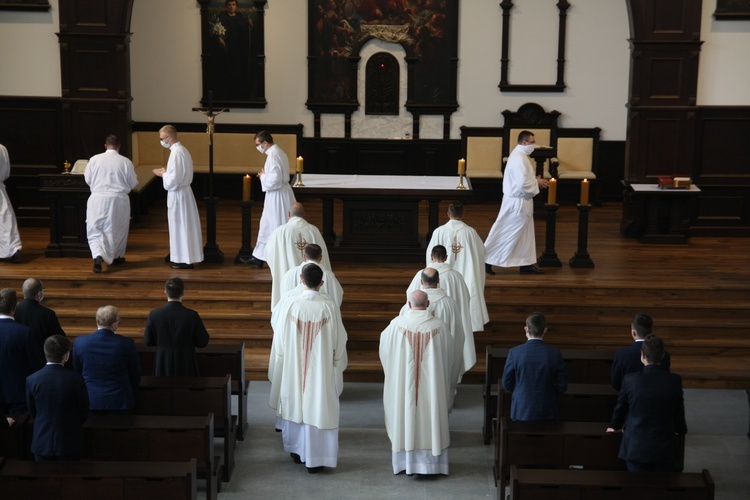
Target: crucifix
(211, 251)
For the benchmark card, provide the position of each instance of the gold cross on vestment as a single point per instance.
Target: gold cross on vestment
(301, 243)
(456, 247)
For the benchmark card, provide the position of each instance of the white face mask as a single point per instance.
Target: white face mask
(528, 149)
(164, 144)
(259, 147)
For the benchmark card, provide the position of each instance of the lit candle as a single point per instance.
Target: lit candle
(461, 167)
(300, 164)
(552, 193)
(246, 187)
(584, 192)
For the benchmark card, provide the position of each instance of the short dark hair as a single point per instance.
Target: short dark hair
(525, 135)
(175, 288)
(313, 275)
(439, 253)
(264, 136)
(313, 252)
(55, 348)
(112, 140)
(456, 209)
(430, 277)
(642, 324)
(536, 323)
(8, 300)
(653, 348)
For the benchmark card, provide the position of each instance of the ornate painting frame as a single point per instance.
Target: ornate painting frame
(233, 60)
(427, 30)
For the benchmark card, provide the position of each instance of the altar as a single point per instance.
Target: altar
(380, 213)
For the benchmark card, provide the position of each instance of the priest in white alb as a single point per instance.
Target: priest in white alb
(443, 306)
(465, 255)
(313, 254)
(10, 240)
(308, 357)
(110, 177)
(286, 244)
(454, 285)
(274, 181)
(416, 351)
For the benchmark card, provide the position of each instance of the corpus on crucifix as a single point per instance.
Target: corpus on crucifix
(211, 251)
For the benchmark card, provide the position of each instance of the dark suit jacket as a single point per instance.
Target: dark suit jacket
(535, 375)
(176, 331)
(59, 403)
(42, 321)
(17, 361)
(110, 366)
(628, 360)
(651, 410)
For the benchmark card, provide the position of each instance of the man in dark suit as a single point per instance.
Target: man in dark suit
(59, 403)
(628, 359)
(18, 358)
(109, 365)
(535, 374)
(42, 320)
(176, 331)
(651, 410)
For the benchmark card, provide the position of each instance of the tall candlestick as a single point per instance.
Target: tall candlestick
(246, 187)
(461, 166)
(584, 192)
(552, 193)
(300, 164)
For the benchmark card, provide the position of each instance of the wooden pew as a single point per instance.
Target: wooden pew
(148, 438)
(95, 480)
(214, 361)
(584, 367)
(554, 445)
(192, 396)
(546, 484)
(580, 403)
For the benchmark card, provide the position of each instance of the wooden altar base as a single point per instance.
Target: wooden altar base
(698, 295)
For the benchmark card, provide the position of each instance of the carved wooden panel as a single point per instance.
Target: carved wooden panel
(668, 149)
(87, 124)
(382, 85)
(95, 67)
(665, 19)
(95, 16)
(664, 74)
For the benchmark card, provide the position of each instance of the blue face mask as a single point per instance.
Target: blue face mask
(164, 144)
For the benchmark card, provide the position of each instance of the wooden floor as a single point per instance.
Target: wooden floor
(698, 294)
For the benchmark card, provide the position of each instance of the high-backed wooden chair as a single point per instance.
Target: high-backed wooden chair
(532, 117)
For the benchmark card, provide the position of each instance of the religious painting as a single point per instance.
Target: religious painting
(233, 59)
(24, 5)
(426, 29)
(732, 10)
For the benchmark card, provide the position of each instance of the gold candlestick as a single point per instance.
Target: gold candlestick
(67, 166)
(461, 183)
(299, 180)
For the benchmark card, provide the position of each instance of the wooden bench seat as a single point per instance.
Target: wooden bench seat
(192, 396)
(214, 360)
(148, 438)
(544, 484)
(123, 480)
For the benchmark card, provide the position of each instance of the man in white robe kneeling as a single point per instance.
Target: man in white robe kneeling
(416, 351)
(308, 358)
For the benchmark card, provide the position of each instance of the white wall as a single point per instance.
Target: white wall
(166, 74)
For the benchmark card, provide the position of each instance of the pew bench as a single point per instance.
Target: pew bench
(214, 360)
(192, 396)
(584, 367)
(148, 438)
(543, 484)
(16, 441)
(123, 480)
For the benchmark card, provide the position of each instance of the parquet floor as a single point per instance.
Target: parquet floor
(698, 294)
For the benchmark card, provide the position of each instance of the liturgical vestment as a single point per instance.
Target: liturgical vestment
(465, 255)
(285, 248)
(10, 242)
(331, 285)
(417, 352)
(185, 236)
(278, 197)
(306, 373)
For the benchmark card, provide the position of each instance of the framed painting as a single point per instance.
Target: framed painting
(727, 10)
(426, 29)
(233, 58)
(24, 5)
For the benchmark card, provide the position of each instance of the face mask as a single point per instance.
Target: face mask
(164, 144)
(259, 147)
(528, 149)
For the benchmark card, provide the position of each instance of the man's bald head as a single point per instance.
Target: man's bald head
(430, 278)
(296, 210)
(32, 287)
(419, 300)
